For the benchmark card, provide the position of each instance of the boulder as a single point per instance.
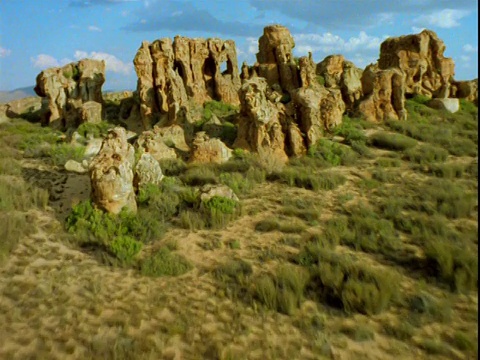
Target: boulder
(384, 94)
(147, 171)
(111, 174)
(206, 150)
(451, 105)
(75, 166)
(420, 57)
(210, 190)
(72, 94)
(24, 108)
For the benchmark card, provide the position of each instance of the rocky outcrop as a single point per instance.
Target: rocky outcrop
(384, 94)
(341, 74)
(467, 90)
(275, 58)
(420, 57)
(451, 105)
(111, 173)
(163, 142)
(206, 150)
(259, 127)
(173, 74)
(72, 94)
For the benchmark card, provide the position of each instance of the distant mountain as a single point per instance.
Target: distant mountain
(6, 96)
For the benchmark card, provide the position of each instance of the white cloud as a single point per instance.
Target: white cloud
(112, 63)
(417, 30)
(44, 61)
(468, 48)
(4, 52)
(446, 18)
(330, 43)
(465, 58)
(94, 28)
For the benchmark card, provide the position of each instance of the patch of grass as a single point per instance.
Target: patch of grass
(464, 341)
(396, 142)
(219, 211)
(61, 153)
(332, 153)
(282, 292)
(435, 347)
(358, 332)
(424, 154)
(172, 167)
(125, 248)
(234, 276)
(401, 331)
(303, 178)
(438, 310)
(351, 130)
(14, 226)
(288, 227)
(15, 194)
(350, 285)
(191, 220)
(199, 175)
(94, 130)
(163, 262)
(388, 162)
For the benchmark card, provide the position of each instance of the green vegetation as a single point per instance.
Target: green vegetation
(164, 263)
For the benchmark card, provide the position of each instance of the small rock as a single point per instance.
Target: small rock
(451, 105)
(75, 166)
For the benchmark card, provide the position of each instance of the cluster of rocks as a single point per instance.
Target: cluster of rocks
(285, 103)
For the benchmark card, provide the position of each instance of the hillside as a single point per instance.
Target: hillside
(365, 248)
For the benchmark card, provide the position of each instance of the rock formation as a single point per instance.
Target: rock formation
(147, 171)
(384, 94)
(339, 73)
(163, 142)
(275, 59)
(72, 94)
(467, 90)
(171, 74)
(206, 150)
(111, 173)
(420, 57)
(259, 127)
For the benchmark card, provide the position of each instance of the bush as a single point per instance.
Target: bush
(303, 178)
(199, 175)
(396, 142)
(282, 292)
(164, 263)
(172, 167)
(351, 131)
(350, 285)
(332, 152)
(124, 248)
(424, 154)
(94, 130)
(219, 211)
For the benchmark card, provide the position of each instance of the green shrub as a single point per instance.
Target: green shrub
(61, 153)
(388, 162)
(164, 263)
(396, 142)
(220, 109)
(282, 292)
(332, 152)
(94, 130)
(401, 331)
(191, 220)
(421, 99)
(172, 167)
(124, 248)
(350, 285)
(199, 175)
(219, 211)
(303, 178)
(267, 225)
(424, 154)
(453, 263)
(351, 130)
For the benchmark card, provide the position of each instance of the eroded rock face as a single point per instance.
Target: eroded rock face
(467, 90)
(206, 150)
(259, 127)
(72, 94)
(384, 94)
(170, 74)
(275, 59)
(111, 173)
(339, 73)
(420, 57)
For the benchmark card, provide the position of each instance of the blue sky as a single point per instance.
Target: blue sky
(36, 34)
